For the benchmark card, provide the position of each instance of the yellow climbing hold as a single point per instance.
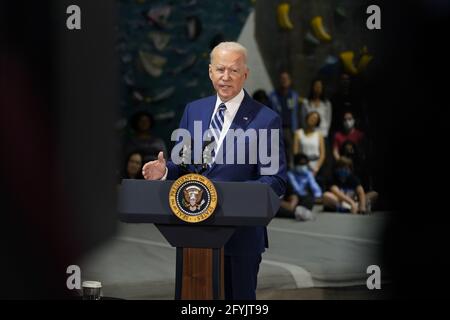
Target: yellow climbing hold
(319, 30)
(347, 61)
(364, 61)
(283, 16)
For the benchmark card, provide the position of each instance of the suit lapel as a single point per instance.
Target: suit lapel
(245, 114)
(207, 115)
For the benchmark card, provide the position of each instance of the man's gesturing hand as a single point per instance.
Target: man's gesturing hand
(155, 170)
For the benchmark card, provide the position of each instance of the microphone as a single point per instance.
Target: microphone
(208, 148)
(186, 154)
(186, 157)
(207, 157)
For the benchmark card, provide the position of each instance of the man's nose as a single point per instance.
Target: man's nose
(226, 75)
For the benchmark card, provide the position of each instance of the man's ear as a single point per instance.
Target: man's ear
(247, 70)
(210, 71)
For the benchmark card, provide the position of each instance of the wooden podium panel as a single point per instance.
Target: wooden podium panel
(203, 274)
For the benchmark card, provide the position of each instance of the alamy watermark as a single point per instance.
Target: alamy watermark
(74, 279)
(251, 146)
(73, 21)
(374, 280)
(374, 20)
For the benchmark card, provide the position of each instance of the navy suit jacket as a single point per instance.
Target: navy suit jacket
(251, 114)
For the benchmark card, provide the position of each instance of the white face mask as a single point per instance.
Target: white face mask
(302, 168)
(349, 124)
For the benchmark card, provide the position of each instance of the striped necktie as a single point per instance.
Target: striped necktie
(216, 127)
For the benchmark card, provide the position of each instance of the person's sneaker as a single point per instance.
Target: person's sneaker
(309, 215)
(303, 214)
(299, 213)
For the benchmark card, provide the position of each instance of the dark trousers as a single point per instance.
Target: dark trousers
(288, 146)
(241, 275)
(285, 213)
(305, 201)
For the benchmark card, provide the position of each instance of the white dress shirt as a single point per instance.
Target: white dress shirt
(232, 108)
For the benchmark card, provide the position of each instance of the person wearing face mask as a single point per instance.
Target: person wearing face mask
(304, 186)
(349, 133)
(346, 192)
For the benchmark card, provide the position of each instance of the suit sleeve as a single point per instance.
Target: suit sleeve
(173, 171)
(278, 180)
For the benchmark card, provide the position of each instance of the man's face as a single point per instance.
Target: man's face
(285, 80)
(228, 73)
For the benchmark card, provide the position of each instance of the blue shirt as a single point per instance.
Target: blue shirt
(303, 182)
(287, 107)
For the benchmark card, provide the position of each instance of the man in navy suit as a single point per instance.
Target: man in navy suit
(238, 113)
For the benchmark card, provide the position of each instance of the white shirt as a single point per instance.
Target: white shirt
(310, 146)
(232, 108)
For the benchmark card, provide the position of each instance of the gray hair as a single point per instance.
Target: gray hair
(231, 46)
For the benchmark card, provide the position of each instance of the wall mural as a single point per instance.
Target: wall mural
(164, 54)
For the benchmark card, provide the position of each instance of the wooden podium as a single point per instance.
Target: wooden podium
(199, 256)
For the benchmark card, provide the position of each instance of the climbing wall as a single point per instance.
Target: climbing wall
(315, 38)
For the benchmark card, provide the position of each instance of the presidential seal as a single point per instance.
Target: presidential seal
(193, 198)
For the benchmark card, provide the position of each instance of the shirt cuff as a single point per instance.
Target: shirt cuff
(164, 177)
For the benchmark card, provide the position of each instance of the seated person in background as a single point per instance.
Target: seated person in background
(348, 133)
(310, 142)
(288, 203)
(346, 192)
(304, 186)
(143, 139)
(133, 166)
(350, 150)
